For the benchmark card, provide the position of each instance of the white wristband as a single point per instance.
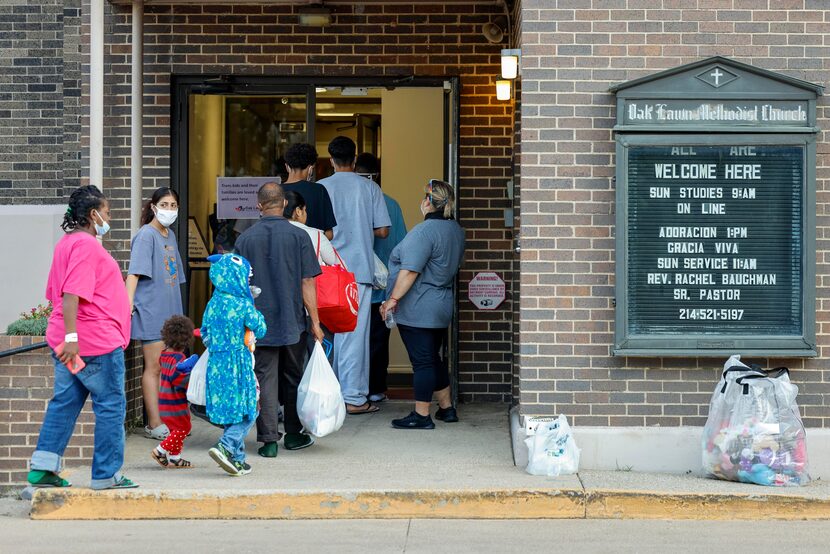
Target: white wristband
(71, 337)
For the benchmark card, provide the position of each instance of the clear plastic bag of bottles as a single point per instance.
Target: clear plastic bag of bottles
(754, 433)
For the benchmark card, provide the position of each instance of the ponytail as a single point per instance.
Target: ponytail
(442, 198)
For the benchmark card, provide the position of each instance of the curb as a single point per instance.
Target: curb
(620, 504)
(86, 504)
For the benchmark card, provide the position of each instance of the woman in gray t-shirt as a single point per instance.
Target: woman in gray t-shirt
(422, 270)
(154, 281)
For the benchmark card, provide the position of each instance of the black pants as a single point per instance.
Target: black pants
(378, 352)
(429, 367)
(278, 370)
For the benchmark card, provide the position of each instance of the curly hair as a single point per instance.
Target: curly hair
(147, 214)
(177, 333)
(81, 202)
(300, 155)
(342, 150)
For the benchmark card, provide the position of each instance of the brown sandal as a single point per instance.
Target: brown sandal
(365, 408)
(181, 463)
(160, 458)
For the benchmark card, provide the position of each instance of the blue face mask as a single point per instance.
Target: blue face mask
(103, 229)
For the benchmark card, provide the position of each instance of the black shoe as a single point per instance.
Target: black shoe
(413, 421)
(297, 441)
(447, 415)
(268, 449)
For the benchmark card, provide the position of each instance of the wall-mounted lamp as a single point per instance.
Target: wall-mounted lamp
(510, 63)
(502, 89)
(315, 15)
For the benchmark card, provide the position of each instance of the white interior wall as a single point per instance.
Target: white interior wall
(412, 143)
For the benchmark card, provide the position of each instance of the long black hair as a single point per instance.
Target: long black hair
(81, 202)
(295, 200)
(147, 214)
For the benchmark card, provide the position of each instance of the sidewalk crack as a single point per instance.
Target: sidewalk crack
(584, 497)
(406, 539)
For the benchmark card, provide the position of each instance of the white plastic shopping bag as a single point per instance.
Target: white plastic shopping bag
(551, 448)
(381, 276)
(197, 384)
(319, 401)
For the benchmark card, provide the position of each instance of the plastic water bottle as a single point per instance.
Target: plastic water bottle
(389, 320)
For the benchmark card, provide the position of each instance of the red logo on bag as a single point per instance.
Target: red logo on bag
(352, 297)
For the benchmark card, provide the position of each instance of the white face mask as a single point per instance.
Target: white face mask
(166, 217)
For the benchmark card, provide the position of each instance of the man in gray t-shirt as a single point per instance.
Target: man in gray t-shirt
(361, 216)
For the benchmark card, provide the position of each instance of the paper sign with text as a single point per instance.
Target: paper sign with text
(236, 196)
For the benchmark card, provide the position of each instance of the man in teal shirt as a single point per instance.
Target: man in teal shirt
(367, 165)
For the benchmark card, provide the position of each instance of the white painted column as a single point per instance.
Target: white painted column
(137, 116)
(96, 94)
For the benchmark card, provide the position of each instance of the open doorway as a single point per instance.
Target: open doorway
(228, 128)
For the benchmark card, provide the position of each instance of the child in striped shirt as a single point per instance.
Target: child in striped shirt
(177, 334)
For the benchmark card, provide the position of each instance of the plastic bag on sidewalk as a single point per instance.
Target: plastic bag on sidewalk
(319, 400)
(754, 432)
(552, 450)
(197, 384)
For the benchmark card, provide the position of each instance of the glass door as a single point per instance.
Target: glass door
(232, 136)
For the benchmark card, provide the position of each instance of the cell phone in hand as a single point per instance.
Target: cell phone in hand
(75, 365)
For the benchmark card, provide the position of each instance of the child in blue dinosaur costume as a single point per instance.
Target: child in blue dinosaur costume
(230, 384)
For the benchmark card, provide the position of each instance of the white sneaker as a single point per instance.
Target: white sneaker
(377, 397)
(159, 433)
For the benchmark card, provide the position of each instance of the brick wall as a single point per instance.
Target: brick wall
(26, 385)
(516, 42)
(31, 102)
(573, 51)
(365, 40)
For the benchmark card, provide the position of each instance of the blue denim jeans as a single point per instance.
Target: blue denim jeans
(233, 439)
(103, 379)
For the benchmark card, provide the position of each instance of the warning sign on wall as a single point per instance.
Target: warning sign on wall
(486, 291)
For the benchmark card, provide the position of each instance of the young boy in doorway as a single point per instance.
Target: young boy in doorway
(177, 336)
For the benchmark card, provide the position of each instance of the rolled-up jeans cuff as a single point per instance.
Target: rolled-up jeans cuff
(46, 461)
(98, 484)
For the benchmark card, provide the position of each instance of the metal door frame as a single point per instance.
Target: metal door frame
(182, 86)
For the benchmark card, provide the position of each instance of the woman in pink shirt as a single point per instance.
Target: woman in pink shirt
(87, 331)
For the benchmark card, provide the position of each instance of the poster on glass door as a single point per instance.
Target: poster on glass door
(236, 196)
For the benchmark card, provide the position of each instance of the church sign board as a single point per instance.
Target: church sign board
(716, 213)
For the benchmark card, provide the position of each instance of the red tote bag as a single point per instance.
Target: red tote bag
(337, 296)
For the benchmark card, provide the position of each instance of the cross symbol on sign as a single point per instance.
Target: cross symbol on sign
(717, 75)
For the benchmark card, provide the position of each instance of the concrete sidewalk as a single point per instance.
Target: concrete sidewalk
(370, 470)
